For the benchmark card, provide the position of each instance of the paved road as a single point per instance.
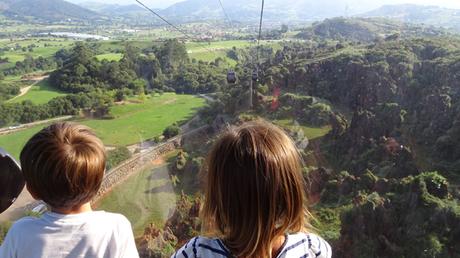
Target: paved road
(8, 130)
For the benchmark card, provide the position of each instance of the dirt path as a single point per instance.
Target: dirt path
(24, 91)
(35, 80)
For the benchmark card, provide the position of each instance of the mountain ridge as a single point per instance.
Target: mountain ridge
(50, 10)
(426, 14)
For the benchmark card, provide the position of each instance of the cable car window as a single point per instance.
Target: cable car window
(366, 90)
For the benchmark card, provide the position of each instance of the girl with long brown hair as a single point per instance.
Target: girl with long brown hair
(255, 199)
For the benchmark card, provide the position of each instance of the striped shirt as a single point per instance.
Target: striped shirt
(296, 245)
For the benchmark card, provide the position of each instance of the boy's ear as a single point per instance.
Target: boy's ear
(35, 196)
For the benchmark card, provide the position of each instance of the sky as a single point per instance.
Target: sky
(165, 3)
(151, 3)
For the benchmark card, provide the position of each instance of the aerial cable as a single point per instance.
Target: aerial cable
(255, 73)
(163, 19)
(172, 25)
(231, 76)
(226, 14)
(260, 29)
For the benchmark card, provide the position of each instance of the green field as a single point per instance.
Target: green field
(13, 143)
(52, 46)
(133, 123)
(201, 51)
(117, 45)
(219, 45)
(309, 132)
(209, 52)
(211, 56)
(110, 57)
(143, 198)
(40, 93)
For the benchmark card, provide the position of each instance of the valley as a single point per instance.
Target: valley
(371, 99)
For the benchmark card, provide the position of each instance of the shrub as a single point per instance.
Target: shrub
(171, 131)
(116, 156)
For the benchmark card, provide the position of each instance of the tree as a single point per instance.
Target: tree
(171, 131)
(120, 95)
(138, 86)
(116, 156)
(172, 54)
(284, 28)
(181, 160)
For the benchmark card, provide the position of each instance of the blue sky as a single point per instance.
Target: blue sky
(166, 3)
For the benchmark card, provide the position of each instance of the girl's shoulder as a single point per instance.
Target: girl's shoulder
(203, 247)
(296, 245)
(305, 245)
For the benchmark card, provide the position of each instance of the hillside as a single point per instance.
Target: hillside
(370, 194)
(390, 163)
(49, 10)
(430, 15)
(114, 9)
(365, 29)
(276, 10)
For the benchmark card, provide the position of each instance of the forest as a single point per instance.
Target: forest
(384, 181)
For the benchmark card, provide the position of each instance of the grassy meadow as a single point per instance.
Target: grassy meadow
(110, 57)
(145, 197)
(132, 123)
(310, 132)
(135, 123)
(40, 93)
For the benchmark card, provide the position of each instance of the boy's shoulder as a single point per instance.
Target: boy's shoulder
(109, 216)
(100, 218)
(23, 224)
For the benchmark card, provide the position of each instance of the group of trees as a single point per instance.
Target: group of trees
(30, 64)
(8, 91)
(165, 67)
(95, 103)
(393, 109)
(399, 96)
(93, 85)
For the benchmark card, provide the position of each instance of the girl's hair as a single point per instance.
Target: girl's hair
(254, 189)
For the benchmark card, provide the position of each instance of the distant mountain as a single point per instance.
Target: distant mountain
(275, 10)
(132, 13)
(366, 30)
(430, 15)
(46, 10)
(112, 9)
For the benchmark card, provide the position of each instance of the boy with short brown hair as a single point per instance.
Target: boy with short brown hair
(64, 165)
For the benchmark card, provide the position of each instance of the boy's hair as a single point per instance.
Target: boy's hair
(64, 165)
(254, 189)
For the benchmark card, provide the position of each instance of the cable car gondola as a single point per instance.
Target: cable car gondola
(231, 77)
(255, 75)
